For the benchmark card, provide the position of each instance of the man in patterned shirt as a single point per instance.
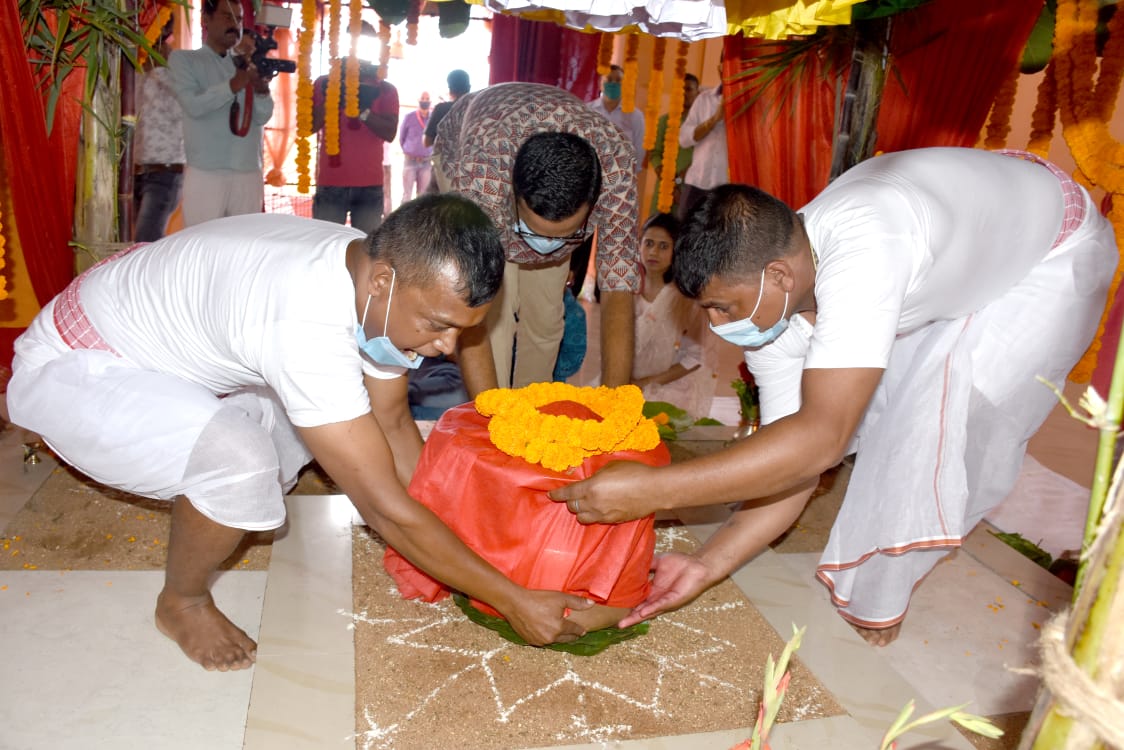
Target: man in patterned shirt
(549, 171)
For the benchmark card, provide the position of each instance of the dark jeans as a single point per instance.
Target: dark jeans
(333, 203)
(156, 194)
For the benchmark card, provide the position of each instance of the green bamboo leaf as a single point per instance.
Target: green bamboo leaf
(895, 729)
(977, 724)
(60, 34)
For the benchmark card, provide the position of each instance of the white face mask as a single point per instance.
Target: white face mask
(381, 349)
(744, 333)
(541, 245)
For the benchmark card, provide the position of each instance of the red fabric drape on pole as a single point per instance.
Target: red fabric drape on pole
(542, 52)
(782, 147)
(40, 169)
(951, 57)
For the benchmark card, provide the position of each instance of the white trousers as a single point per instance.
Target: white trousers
(944, 436)
(215, 193)
(159, 436)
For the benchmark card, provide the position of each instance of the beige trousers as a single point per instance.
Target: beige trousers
(528, 308)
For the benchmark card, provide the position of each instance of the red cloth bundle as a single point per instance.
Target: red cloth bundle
(497, 505)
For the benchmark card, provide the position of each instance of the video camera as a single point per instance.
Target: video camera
(270, 16)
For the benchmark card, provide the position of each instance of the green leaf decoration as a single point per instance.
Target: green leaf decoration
(391, 12)
(1026, 548)
(677, 419)
(452, 18)
(882, 8)
(1040, 44)
(589, 644)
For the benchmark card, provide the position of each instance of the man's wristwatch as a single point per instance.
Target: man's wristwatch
(364, 115)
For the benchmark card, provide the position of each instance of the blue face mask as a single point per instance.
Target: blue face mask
(744, 333)
(611, 90)
(541, 245)
(380, 349)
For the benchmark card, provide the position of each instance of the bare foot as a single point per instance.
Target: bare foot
(879, 636)
(204, 633)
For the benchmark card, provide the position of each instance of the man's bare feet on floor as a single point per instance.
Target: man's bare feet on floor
(204, 633)
(879, 636)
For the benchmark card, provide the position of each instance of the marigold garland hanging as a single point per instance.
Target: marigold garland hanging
(332, 98)
(605, 54)
(671, 134)
(631, 69)
(304, 95)
(354, 27)
(384, 48)
(999, 121)
(1045, 114)
(1082, 106)
(555, 442)
(152, 33)
(655, 91)
(3, 241)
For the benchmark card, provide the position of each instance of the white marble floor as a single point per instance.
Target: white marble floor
(84, 667)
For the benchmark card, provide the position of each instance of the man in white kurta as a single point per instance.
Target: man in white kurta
(930, 289)
(210, 366)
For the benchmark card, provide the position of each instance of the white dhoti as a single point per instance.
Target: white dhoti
(155, 434)
(944, 436)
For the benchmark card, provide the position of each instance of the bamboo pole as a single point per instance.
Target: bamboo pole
(1096, 590)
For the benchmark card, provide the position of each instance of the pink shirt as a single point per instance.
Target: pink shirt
(476, 145)
(359, 162)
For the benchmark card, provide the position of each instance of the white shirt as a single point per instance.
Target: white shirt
(630, 123)
(903, 240)
(261, 299)
(710, 163)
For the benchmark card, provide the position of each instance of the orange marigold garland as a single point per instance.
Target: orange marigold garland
(1082, 106)
(332, 98)
(605, 54)
(1045, 114)
(631, 68)
(152, 33)
(3, 281)
(518, 428)
(384, 48)
(655, 89)
(354, 27)
(999, 122)
(671, 134)
(304, 95)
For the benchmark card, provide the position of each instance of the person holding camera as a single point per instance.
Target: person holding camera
(351, 182)
(226, 102)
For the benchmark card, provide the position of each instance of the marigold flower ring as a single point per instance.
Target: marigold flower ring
(519, 428)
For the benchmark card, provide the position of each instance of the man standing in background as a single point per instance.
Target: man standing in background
(459, 85)
(704, 130)
(157, 147)
(416, 166)
(608, 105)
(223, 176)
(351, 182)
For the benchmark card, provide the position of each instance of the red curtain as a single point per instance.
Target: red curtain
(541, 52)
(40, 168)
(781, 145)
(950, 57)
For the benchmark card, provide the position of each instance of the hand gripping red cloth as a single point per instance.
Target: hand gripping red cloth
(497, 505)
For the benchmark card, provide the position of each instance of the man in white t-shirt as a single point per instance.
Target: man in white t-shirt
(904, 315)
(210, 366)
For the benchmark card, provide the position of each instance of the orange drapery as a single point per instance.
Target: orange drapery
(948, 60)
(497, 505)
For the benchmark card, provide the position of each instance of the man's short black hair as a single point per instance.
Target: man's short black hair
(423, 236)
(669, 224)
(210, 6)
(691, 77)
(556, 174)
(458, 83)
(732, 233)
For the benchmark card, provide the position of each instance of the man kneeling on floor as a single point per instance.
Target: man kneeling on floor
(210, 366)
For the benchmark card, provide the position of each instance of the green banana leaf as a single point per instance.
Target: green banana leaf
(589, 644)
